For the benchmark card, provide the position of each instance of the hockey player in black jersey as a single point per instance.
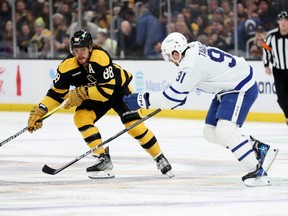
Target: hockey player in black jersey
(99, 86)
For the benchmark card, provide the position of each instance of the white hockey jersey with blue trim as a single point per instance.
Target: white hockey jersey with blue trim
(208, 69)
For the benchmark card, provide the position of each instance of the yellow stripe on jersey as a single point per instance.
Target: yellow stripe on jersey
(60, 91)
(125, 75)
(102, 91)
(94, 94)
(50, 103)
(100, 57)
(68, 65)
(108, 90)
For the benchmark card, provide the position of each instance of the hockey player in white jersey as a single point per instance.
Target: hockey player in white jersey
(232, 81)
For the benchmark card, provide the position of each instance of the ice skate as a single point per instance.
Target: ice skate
(256, 178)
(102, 169)
(164, 166)
(264, 153)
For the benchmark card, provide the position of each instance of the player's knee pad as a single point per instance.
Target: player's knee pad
(209, 133)
(136, 131)
(84, 117)
(227, 133)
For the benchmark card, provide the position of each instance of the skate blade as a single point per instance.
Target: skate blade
(170, 174)
(256, 182)
(101, 175)
(269, 159)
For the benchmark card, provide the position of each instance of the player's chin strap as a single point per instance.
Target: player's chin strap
(51, 171)
(26, 128)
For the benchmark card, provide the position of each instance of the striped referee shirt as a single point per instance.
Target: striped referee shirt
(275, 50)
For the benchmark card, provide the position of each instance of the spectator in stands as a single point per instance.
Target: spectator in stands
(226, 7)
(85, 24)
(126, 41)
(5, 12)
(252, 8)
(62, 49)
(193, 12)
(7, 34)
(219, 37)
(21, 13)
(266, 15)
(37, 8)
(170, 27)
(212, 7)
(105, 42)
(241, 12)
(177, 6)
(247, 29)
(200, 26)
(87, 5)
(29, 19)
(21, 7)
(23, 40)
(41, 36)
(195, 8)
(188, 17)
(256, 51)
(158, 51)
(45, 14)
(65, 11)
(59, 27)
(118, 17)
(6, 37)
(61, 45)
(101, 8)
(148, 31)
(181, 27)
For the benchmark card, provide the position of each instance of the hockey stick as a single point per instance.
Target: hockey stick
(48, 170)
(26, 128)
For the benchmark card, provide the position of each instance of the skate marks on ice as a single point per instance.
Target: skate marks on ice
(207, 179)
(202, 187)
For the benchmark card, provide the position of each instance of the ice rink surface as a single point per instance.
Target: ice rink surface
(207, 177)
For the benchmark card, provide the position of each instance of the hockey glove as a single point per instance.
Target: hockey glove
(137, 100)
(35, 114)
(76, 97)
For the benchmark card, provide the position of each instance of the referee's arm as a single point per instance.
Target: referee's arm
(267, 55)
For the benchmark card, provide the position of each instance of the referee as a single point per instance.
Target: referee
(275, 51)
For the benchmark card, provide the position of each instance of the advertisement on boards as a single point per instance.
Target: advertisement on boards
(27, 81)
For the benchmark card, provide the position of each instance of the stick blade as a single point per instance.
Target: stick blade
(48, 170)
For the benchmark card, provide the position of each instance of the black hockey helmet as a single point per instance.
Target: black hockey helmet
(81, 38)
(282, 15)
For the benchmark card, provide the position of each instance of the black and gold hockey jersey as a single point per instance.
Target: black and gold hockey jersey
(103, 78)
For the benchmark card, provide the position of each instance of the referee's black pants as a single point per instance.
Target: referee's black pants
(281, 85)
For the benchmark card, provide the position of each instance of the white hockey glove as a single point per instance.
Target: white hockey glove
(137, 100)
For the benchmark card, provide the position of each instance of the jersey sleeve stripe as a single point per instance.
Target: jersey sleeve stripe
(173, 99)
(245, 81)
(178, 92)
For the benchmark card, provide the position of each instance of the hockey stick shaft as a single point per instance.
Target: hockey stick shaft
(26, 128)
(48, 170)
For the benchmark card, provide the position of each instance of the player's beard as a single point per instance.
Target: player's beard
(83, 60)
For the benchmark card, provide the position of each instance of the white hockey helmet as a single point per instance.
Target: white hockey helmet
(173, 42)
